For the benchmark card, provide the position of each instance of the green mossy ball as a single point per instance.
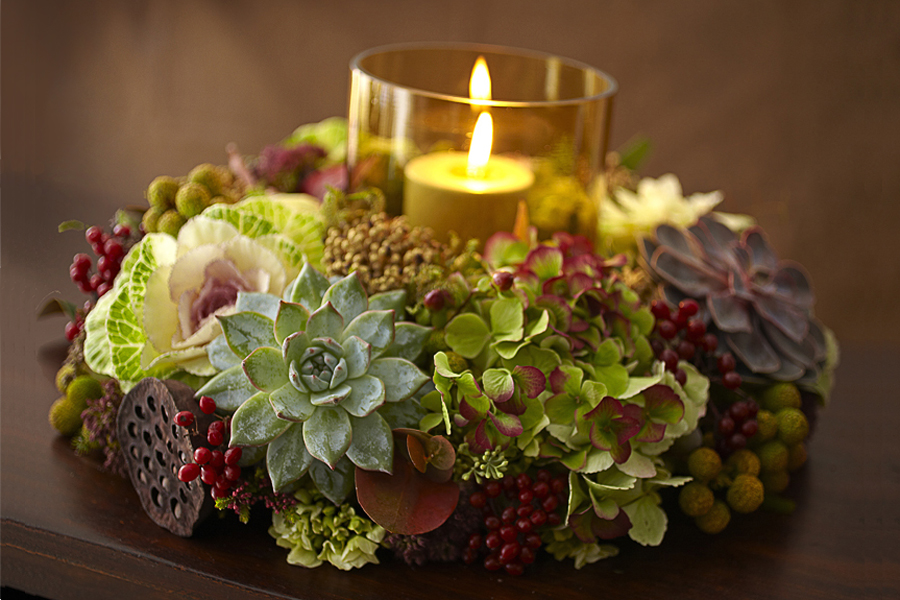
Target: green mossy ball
(745, 494)
(767, 426)
(704, 464)
(715, 520)
(695, 499)
(773, 456)
(65, 417)
(82, 389)
(792, 426)
(191, 199)
(780, 395)
(161, 192)
(743, 462)
(65, 376)
(775, 482)
(150, 220)
(796, 456)
(171, 222)
(214, 179)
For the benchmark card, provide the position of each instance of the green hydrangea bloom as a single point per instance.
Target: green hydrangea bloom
(562, 543)
(317, 531)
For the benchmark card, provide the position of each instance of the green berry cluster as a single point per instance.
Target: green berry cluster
(65, 413)
(175, 200)
(749, 475)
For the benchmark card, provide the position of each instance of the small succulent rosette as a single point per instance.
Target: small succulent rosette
(306, 375)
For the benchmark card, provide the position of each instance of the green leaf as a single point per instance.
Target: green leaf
(409, 339)
(287, 459)
(375, 327)
(264, 304)
(498, 384)
(229, 389)
(442, 366)
(648, 521)
(70, 225)
(467, 334)
(325, 322)
(577, 497)
(605, 508)
(255, 423)
(636, 385)
(291, 404)
(401, 378)
(335, 484)
(598, 460)
(348, 297)
(611, 479)
(430, 421)
(367, 394)
(614, 377)
(245, 332)
(507, 320)
(638, 466)
(308, 288)
(635, 152)
(291, 318)
(265, 369)
(607, 353)
(560, 409)
(372, 447)
(593, 392)
(328, 434)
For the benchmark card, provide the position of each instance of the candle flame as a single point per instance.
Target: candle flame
(480, 82)
(480, 150)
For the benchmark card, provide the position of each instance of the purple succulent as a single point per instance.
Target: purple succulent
(759, 305)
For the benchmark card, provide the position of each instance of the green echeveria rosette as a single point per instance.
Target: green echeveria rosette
(315, 371)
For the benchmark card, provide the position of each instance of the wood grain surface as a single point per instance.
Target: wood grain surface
(790, 108)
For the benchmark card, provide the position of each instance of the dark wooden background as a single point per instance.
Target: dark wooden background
(791, 108)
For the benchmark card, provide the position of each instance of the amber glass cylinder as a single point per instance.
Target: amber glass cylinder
(550, 116)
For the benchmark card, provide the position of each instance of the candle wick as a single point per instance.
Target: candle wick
(476, 172)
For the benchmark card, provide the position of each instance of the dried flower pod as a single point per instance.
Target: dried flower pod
(155, 448)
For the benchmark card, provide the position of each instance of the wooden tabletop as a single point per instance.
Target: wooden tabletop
(791, 108)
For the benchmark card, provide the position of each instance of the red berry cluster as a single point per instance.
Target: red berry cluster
(682, 335)
(214, 467)
(514, 509)
(736, 425)
(110, 250)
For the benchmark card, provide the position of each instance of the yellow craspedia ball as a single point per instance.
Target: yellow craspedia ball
(767, 426)
(780, 395)
(161, 192)
(150, 220)
(775, 482)
(191, 199)
(64, 377)
(65, 417)
(796, 456)
(82, 389)
(773, 456)
(704, 464)
(745, 494)
(695, 499)
(743, 462)
(215, 179)
(170, 222)
(793, 426)
(716, 519)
